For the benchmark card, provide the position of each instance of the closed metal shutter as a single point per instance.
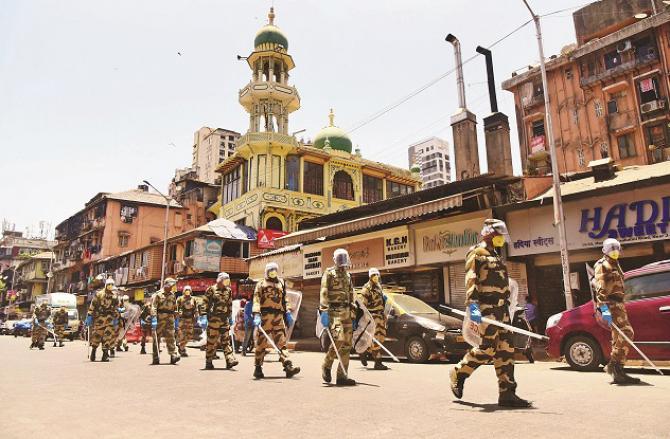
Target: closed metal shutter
(457, 285)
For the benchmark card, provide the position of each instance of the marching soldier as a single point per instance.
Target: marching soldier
(337, 310)
(374, 299)
(269, 309)
(610, 302)
(163, 311)
(145, 324)
(187, 312)
(40, 316)
(487, 294)
(217, 308)
(121, 342)
(102, 314)
(60, 320)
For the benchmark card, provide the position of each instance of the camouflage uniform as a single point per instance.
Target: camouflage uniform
(120, 329)
(145, 324)
(269, 301)
(60, 319)
(164, 308)
(103, 309)
(487, 283)
(610, 292)
(39, 334)
(187, 311)
(217, 304)
(337, 299)
(372, 296)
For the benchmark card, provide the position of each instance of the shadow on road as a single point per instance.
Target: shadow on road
(490, 408)
(358, 383)
(632, 370)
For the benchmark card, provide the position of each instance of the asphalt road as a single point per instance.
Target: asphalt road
(57, 393)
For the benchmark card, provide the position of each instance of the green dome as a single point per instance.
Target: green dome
(415, 168)
(337, 138)
(272, 35)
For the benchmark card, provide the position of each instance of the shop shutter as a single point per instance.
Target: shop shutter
(457, 285)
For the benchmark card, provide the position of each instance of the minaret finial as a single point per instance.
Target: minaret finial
(271, 15)
(331, 116)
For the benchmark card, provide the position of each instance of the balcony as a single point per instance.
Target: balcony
(621, 120)
(533, 101)
(266, 137)
(258, 90)
(620, 69)
(234, 265)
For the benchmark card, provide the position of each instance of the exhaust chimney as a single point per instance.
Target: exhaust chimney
(489, 76)
(463, 124)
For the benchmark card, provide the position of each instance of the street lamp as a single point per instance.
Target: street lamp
(559, 216)
(165, 229)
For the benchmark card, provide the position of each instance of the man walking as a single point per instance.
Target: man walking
(163, 310)
(217, 308)
(187, 312)
(102, 312)
(372, 296)
(60, 319)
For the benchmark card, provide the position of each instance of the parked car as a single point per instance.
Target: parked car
(7, 327)
(23, 328)
(586, 342)
(418, 332)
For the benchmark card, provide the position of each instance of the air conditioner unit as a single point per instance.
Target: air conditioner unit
(652, 106)
(624, 46)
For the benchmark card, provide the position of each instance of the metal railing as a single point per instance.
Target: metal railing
(622, 68)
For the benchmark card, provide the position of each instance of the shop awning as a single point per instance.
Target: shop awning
(360, 224)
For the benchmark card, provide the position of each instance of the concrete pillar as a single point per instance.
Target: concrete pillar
(466, 157)
(498, 147)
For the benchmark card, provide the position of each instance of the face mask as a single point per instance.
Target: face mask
(375, 278)
(498, 241)
(187, 293)
(226, 282)
(272, 274)
(614, 254)
(108, 287)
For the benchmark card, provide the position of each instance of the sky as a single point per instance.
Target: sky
(95, 98)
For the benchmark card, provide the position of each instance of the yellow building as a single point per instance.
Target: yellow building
(273, 181)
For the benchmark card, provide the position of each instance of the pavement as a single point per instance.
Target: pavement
(58, 393)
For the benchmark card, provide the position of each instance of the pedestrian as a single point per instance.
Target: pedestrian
(163, 312)
(531, 312)
(187, 312)
(373, 297)
(60, 319)
(610, 293)
(120, 331)
(270, 308)
(216, 308)
(39, 334)
(247, 346)
(145, 325)
(487, 294)
(103, 314)
(238, 330)
(337, 309)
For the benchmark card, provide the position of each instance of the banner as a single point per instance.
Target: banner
(266, 238)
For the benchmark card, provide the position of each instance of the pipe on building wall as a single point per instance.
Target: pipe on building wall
(459, 69)
(490, 77)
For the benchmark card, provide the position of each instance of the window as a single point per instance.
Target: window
(537, 89)
(656, 136)
(650, 285)
(274, 223)
(604, 150)
(343, 187)
(177, 219)
(568, 73)
(394, 189)
(372, 189)
(538, 128)
(231, 185)
(123, 239)
(261, 170)
(648, 89)
(188, 250)
(276, 172)
(612, 106)
(231, 249)
(598, 107)
(313, 178)
(292, 178)
(245, 250)
(626, 146)
(244, 170)
(231, 138)
(612, 60)
(172, 254)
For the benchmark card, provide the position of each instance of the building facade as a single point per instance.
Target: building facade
(211, 146)
(273, 182)
(32, 279)
(14, 250)
(608, 92)
(432, 158)
(195, 196)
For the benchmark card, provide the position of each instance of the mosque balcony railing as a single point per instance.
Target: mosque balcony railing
(265, 137)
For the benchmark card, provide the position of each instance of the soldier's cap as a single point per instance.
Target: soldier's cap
(494, 226)
(170, 281)
(109, 281)
(188, 287)
(222, 276)
(611, 244)
(373, 271)
(271, 266)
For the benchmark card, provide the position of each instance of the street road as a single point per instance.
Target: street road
(57, 393)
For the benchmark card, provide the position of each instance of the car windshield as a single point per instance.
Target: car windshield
(412, 305)
(650, 285)
(72, 314)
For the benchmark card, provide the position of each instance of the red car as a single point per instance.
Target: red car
(586, 343)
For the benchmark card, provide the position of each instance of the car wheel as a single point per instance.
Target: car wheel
(416, 350)
(583, 353)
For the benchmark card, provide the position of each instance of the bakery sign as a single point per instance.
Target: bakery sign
(397, 250)
(311, 263)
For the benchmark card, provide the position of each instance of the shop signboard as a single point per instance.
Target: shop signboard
(446, 240)
(363, 255)
(397, 250)
(266, 238)
(207, 254)
(635, 216)
(290, 264)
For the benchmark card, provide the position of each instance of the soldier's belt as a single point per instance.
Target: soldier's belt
(375, 310)
(165, 312)
(270, 311)
(339, 305)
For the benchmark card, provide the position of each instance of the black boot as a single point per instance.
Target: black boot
(143, 350)
(628, 379)
(112, 353)
(184, 353)
(174, 359)
(209, 365)
(126, 348)
(614, 369)
(155, 362)
(258, 372)
(290, 369)
(61, 344)
(326, 375)
(457, 383)
(93, 354)
(364, 358)
(380, 366)
(55, 344)
(216, 357)
(32, 345)
(509, 399)
(41, 347)
(105, 355)
(345, 381)
(232, 362)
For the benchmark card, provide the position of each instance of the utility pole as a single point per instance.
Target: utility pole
(559, 216)
(165, 230)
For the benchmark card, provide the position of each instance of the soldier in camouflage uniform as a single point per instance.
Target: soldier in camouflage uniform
(121, 342)
(60, 319)
(269, 309)
(610, 301)
(187, 312)
(373, 297)
(145, 324)
(163, 311)
(337, 310)
(487, 294)
(39, 333)
(103, 314)
(217, 308)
